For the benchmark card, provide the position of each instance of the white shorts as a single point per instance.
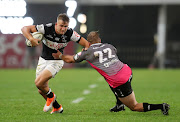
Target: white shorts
(54, 66)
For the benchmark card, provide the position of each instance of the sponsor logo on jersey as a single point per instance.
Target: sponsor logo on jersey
(110, 62)
(54, 45)
(50, 36)
(57, 39)
(76, 34)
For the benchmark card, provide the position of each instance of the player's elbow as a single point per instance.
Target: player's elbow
(22, 29)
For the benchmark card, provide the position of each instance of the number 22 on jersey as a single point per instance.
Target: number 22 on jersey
(101, 54)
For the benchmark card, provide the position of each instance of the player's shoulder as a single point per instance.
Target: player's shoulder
(72, 34)
(70, 29)
(49, 25)
(105, 45)
(48, 28)
(46, 25)
(90, 50)
(109, 45)
(45, 28)
(69, 32)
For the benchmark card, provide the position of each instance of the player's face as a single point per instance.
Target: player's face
(61, 27)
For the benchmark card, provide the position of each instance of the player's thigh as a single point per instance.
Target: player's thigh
(43, 78)
(124, 90)
(54, 66)
(126, 94)
(41, 66)
(129, 101)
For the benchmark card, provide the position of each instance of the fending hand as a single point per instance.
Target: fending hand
(84, 49)
(57, 55)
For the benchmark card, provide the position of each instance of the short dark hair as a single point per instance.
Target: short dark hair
(63, 17)
(93, 37)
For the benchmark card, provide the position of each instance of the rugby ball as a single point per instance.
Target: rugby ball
(36, 35)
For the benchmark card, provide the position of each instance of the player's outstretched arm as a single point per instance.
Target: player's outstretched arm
(66, 58)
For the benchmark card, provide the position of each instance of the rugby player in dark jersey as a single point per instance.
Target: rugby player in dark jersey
(56, 38)
(118, 75)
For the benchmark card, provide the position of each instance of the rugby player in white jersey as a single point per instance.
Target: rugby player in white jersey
(103, 58)
(56, 38)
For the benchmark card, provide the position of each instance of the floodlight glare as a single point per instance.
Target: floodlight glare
(12, 8)
(13, 25)
(12, 12)
(71, 4)
(81, 18)
(83, 28)
(72, 23)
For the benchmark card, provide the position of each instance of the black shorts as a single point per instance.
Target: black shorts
(124, 90)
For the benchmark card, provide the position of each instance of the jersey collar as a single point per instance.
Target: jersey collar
(96, 44)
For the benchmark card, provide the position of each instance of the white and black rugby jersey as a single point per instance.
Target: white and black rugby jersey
(53, 41)
(101, 57)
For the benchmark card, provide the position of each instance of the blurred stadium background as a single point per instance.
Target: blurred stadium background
(146, 33)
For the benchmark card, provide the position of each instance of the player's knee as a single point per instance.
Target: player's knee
(133, 108)
(38, 84)
(136, 108)
(36, 80)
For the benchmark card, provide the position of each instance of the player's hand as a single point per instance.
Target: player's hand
(57, 55)
(35, 42)
(84, 49)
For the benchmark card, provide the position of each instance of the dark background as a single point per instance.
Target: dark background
(130, 29)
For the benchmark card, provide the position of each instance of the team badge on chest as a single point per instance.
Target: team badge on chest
(64, 38)
(57, 39)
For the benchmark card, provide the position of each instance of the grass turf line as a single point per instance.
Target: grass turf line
(20, 100)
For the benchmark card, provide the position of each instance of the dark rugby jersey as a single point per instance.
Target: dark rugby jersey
(102, 57)
(53, 41)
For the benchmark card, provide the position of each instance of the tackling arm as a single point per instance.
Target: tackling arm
(68, 58)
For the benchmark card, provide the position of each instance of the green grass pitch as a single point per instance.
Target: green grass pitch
(20, 101)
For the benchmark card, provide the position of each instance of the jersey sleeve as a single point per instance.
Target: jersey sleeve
(40, 28)
(75, 37)
(80, 56)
